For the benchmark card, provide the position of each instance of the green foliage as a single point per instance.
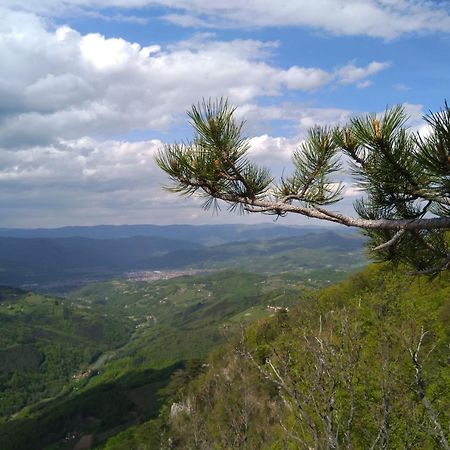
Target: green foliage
(184, 317)
(338, 371)
(122, 341)
(102, 410)
(44, 341)
(315, 161)
(214, 163)
(434, 153)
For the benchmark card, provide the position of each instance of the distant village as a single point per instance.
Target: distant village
(155, 275)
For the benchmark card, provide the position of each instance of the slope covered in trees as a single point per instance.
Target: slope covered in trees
(44, 341)
(99, 360)
(363, 364)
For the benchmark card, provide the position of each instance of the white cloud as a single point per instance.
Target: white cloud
(305, 78)
(272, 152)
(350, 73)
(60, 84)
(67, 96)
(298, 118)
(86, 180)
(377, 18)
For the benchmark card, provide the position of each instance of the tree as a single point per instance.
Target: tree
(404, 178)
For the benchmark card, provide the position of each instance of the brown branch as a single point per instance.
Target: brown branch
(391, 241)
(432, 223)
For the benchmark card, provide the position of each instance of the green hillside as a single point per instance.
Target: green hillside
(364, 364)
(103, 384)
(43, 343)
(316, 257)
(185, 317)
(108, 363)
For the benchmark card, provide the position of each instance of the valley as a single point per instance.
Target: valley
(59, 264)
(154, 343)
(96, 330)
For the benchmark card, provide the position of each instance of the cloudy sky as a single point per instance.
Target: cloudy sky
(90, 89)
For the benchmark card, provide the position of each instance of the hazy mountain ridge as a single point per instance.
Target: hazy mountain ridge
(204, 234)
(39, 262)
(31, 260)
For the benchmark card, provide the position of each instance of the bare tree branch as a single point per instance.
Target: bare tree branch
(421, 391)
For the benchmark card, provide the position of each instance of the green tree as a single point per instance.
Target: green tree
(404, 178)
(360, 365)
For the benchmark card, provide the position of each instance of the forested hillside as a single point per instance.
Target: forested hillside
(363, 364)
(44, 342)
(94, 363)
(123, 364)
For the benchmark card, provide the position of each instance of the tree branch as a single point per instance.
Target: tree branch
(421, 391)
(403, 179)
(432, 223)
(391, 241)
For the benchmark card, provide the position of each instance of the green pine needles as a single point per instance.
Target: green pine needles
(404, 178)
(214, 163)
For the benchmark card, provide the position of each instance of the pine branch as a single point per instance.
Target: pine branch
(405, 211)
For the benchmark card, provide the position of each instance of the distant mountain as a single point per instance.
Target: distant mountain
(204, 234)
(36, 260)
(61, 263)
(313, 249)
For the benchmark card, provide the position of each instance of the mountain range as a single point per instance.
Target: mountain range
(56, 262)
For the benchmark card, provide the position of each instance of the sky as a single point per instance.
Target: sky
(91, 89)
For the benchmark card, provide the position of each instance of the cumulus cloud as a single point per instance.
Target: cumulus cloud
(85, 181)
(62, 84)
(298, 118)
(67, 97)
(376, 18)
(350, 73)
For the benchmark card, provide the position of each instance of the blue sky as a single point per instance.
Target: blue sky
(92, 89)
